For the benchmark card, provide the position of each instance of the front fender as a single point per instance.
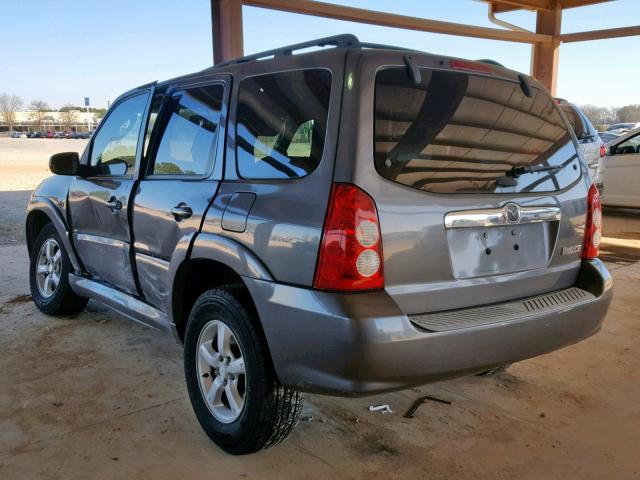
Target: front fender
(39, 203)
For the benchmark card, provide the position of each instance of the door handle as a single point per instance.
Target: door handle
(114, 204)
(181, 211)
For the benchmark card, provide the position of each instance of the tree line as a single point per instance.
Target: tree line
(603, 116)
(10, 105)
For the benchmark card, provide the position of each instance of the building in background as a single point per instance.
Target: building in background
(76, 120)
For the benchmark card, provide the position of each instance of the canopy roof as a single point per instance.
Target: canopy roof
(226, 16)
(510, 5)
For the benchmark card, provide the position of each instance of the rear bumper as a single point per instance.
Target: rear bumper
(359, 344)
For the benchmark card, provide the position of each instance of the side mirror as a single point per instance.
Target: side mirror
(66, 163)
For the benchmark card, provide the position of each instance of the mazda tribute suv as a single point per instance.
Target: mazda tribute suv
(348, 220)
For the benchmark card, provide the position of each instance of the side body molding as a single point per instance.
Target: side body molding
(46, 206)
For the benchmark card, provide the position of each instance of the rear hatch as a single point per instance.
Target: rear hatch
(478, 183)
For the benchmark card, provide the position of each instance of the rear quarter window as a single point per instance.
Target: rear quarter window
(281, 122)
(457, 132)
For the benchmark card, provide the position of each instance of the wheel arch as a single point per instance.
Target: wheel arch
(42, 211)
(211, 261)
(36, 221)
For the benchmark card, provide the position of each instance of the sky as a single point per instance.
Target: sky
(62, 51)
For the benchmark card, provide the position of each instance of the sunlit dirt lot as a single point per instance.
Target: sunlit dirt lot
(97, 396)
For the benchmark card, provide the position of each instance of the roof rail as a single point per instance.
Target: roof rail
(382, 46)
(346, 40)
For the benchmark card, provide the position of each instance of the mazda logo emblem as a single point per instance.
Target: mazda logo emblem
(512, 213)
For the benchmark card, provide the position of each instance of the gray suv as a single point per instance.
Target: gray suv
(351, 220)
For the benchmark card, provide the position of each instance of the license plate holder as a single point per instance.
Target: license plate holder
(484, 251)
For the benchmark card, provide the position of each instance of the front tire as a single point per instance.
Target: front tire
(233, 388)
(49, 275)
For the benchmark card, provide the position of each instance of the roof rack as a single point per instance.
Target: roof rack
(346, 40)
(382, 46)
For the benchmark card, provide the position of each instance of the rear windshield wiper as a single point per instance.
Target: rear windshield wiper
(516, 171)
(587, 136)
(509, 180)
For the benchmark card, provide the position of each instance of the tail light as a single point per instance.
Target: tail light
(593, 226)
(351, 248)
(603, 150)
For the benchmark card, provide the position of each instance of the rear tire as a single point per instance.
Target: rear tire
(49, 275)
(233, 388)
(494, 372)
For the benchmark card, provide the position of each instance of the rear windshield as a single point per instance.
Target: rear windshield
(456, 132)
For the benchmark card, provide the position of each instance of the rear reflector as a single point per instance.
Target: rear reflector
(593, 225)
(350, 256)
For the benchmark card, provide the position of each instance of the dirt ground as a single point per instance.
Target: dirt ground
(24, 163)
(97, 396)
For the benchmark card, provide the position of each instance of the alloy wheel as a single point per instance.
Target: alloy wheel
(221, 371)
(48, 268)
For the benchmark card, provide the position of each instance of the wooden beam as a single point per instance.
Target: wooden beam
(501, 6)
(226, 29)
(510, 5)
(545, 57)
(581, 3)
(600, 34)
(351, 14)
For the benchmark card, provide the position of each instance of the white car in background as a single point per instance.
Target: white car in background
(591, 144)
(620, 128)
(607, 137)
(622, 174)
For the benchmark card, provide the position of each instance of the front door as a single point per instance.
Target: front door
(99, 201)
(183, 169)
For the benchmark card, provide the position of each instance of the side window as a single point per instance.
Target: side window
(281, 123)
(631, 145)
(113, 152)
(189, 136)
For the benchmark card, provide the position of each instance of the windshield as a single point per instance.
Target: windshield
(456, 132)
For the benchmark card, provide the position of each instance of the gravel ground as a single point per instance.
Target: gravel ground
(97, 396)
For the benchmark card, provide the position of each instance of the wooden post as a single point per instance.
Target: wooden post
(545, 56)
(226, 29)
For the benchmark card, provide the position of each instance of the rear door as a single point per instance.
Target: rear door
(99, 202)
(184, 157)
(480, 189)
(622, 174)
